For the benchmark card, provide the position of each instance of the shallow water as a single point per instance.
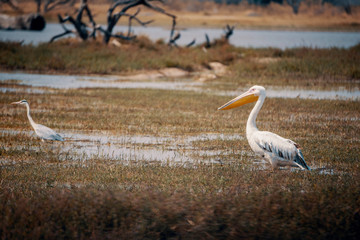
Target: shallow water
(125, 148)
(77, 81)
(24, 90)
(81, 146)
(240, 37)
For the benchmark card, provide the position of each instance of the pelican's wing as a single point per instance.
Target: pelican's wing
(47, 133)
(282, 148)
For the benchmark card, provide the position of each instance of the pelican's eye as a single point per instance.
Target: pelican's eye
(254, 91)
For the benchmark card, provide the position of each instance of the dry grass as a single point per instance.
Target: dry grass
(48, 195)
(45, 197)
(163, 202)
(304, 67)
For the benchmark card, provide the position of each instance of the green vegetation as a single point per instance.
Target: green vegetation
(48, 195)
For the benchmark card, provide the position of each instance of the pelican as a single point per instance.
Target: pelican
(42, 131)
(277, 150)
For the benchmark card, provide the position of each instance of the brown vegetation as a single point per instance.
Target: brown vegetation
(46, 193)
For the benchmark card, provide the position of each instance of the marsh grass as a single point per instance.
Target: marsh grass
(94, 57)
(47, 194)
(104, 200)
(297, 67)
(179, 113)
(45, 197)
(291, 67)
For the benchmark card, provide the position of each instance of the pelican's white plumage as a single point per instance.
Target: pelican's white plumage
(277, 150)
(42, 131)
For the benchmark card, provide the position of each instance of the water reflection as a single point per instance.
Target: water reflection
(127, 149)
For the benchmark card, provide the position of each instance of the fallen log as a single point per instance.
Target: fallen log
(32, 21)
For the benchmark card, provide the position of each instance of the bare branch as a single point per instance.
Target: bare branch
(61, 35)
(229, 31)
(191, 43)
(80, 26)
(51, 4)
(116, 35)
(113, 18)
(207, 44)
(173, 40)
(131, 17)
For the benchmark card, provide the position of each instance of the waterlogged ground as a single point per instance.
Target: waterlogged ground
(154, 158)
(40, 83)
(174, 150)
(165, 146)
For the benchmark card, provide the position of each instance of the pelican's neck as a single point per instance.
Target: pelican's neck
(28, 115)
(251, 122)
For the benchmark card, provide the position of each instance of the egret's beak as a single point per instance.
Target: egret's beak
(243, 99)
(16, 102)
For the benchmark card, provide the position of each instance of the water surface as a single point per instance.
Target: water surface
(130, 148)
(76, 81)
(240, 38)
(125, 149)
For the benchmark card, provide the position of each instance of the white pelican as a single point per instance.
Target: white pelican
(278, 150)
(42, 131)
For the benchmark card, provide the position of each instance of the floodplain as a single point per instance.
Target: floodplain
(157, 163)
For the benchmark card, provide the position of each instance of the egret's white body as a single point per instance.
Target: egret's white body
(277, 150)
(42, 131)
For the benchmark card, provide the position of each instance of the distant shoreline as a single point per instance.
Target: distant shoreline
(274, 17)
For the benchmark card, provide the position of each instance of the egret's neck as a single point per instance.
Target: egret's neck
(251, 122)
(28, 115)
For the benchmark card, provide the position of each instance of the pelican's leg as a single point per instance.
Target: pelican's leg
(273, 162)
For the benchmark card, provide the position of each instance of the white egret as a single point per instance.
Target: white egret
(277, 150)
(42, 131)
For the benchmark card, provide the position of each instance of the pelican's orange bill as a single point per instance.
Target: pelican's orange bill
(239, 101)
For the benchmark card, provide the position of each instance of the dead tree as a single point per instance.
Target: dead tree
(113, 18)
(81, 28)
(134, 17)
(128, 36)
